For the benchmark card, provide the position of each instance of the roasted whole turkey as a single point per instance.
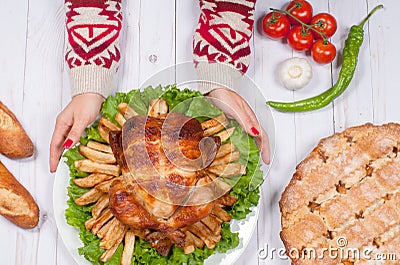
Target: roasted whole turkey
(161, 179)
(164, 185)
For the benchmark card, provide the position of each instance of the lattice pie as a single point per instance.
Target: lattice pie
(344, 198)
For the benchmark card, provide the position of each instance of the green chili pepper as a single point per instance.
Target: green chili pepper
(350, 57)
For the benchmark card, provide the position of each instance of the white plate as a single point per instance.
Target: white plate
(70, 235)
(184, 75)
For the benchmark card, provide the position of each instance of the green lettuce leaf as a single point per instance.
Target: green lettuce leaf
(90, 250)
(150, 93)
(134, 99)
(92, 133)
(245, 188)
(174, 97)
(73, 155)
(230, 240)
(201, 109)
(109, 108)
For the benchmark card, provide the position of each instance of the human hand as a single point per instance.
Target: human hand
(71, 122)
(235, 107)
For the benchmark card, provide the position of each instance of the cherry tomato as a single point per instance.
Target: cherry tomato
(300, 39)
(324, 23)
(275, 25)
(322, 52)
(300, 9)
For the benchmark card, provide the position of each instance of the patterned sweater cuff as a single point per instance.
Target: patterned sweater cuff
(93, 51)
(216, 75)
(92, 79)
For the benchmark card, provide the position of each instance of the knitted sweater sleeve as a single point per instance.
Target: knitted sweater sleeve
(92, 55)
(221, 41)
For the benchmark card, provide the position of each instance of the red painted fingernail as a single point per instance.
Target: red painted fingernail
(255, 131)
(67, 144)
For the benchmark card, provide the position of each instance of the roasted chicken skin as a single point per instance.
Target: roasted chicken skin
(164, 186)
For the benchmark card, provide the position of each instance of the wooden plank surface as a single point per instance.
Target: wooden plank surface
(11, 94)
(158, 34)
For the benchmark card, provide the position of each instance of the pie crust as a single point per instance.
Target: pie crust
(344, 198)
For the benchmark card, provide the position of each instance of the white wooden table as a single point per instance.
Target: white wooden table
(34, 84)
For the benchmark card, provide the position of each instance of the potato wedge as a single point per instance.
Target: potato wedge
(225, 149)
(221, 187)
(90, 166)
(99, 147)
(96, 156)
(126, 110)
(129, 247)
(110, 252)
(215, 183)
(122, 107)
(89, 223)
(104, 186)
(214, 125)
(120, 119)
(220, 119)
(197, 241)
(226, 200)
(207, 232)
(107, 123)
(221, 213)
(213, 224)
(114, 236)
(214, 130)
(227, 171)
(105, 228)
(231, 157)
(100, 205)
(202, 235)
(116, 230)
(225, 134)
(189, 248)
(104, 217)
(157, 107)
(189, 245)
(89, 197)
(104, 132)
(92, 180)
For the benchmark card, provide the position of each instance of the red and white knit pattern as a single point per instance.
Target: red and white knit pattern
(93, 28)
(224, 31)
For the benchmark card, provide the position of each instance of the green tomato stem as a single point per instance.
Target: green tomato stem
(301, 22)
(297, 5)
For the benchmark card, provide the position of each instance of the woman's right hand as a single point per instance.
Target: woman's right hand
(71, 122)
(235, 107)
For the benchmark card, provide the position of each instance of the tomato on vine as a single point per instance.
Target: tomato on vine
(300, 38)
(305, 28)
(301, 10)
(324, 23)
(275, 25)
(323, 51)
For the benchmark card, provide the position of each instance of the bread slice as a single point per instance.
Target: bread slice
(16, 203)
(14, 142)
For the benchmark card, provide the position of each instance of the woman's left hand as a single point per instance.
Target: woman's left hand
(71, 123)
(235, 107)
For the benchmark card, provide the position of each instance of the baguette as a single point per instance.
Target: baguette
(14, 142)
(16, 203)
